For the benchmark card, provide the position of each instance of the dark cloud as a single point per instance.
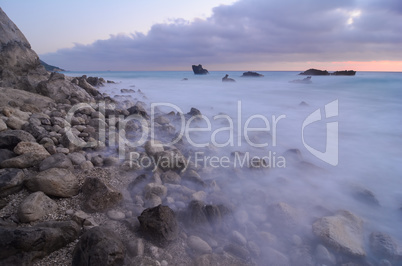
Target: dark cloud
(253, 31)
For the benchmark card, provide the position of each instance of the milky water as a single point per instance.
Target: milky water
(369, 134)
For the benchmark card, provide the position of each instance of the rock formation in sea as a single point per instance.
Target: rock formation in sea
(227, 79)
(252, 74)
(199, 70)
(317, 72)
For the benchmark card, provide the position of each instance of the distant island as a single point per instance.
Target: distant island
(252, 74)
(317, 72)
(199, 70)
(50, 67)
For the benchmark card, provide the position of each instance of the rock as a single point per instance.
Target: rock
(15, 123)
(194, 112)
(365, 196)
(110, 161)
(10, 138)
(342, 232)
(99, 196)
(35, 206)
(6, 154)
(238, 238)
(384, 246)
(274, 257)
(116, 215)
(99, 246)
(23, 245)
(171, 177)
(83, 219)
(136, 247)
(199, 70)
(152, 147)
(153, 201)
(3, 125)
(238, 251)
(283, 215)
(171, 160)
(155, 189)
(11, 181)
(86, 166)
(323, 256)
(315, 72)
(145, 261)
(198, 245)
(344, 73)
(83, 83)
(159, 224)
(58, 160)
(76, 158)
(31, 154)
(227, 79)
(97, 161)
(252, 74)
(56, 182)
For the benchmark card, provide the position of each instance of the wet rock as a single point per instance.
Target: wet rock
(198, 245)
(138, 109)
(365, 196)
(23, 245)
(384, 246)
(10, 138)
(56, 182)
(35, 206)
(342, 232)
(194, 112)
(99, 246)
(99, 196)
(159, 224)
(11, 181)
(58, 160)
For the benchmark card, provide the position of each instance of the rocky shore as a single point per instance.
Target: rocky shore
(71, 192)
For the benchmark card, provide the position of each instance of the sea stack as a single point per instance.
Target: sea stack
(199, 70)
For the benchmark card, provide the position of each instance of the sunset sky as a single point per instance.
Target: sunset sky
(364, 35)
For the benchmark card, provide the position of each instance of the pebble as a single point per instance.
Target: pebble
(116, 215)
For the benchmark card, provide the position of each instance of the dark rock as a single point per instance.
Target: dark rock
(227, 79)
(198, 70)
(58, 160)
(159, 224)
(95, 81)
(194, 112)
(344, 73)
(10, 138)
(83, 83)
(138, 109)
(315, 72)
(6, 154)
(11, 181)
(56, 182)
(252, 74)
(99, 246)
(99, 196)
(25, 244)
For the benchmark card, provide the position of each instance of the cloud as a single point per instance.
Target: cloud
(252, 31)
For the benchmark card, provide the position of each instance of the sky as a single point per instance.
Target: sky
(364, 35)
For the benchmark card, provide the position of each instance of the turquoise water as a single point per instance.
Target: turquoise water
(369, 132)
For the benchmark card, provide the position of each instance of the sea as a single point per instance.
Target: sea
(332, 144)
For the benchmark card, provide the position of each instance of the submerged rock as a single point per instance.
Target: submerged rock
(227, 79)
(252, 74)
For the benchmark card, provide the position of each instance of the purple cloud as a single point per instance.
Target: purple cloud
(252, 31)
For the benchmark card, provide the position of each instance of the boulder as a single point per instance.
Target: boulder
(11, 181)
(10, 138)
(159, 224)
(58, 160)
(227, 79)
(35, 206)
(384, 246)
(30, 154)
(99, 246)
(56, 182)
(199, 70)
(77, 158)
(342, 232)
(99, 196)
(22, 245)
(6, 154)
(138, 109)
(15, 122)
